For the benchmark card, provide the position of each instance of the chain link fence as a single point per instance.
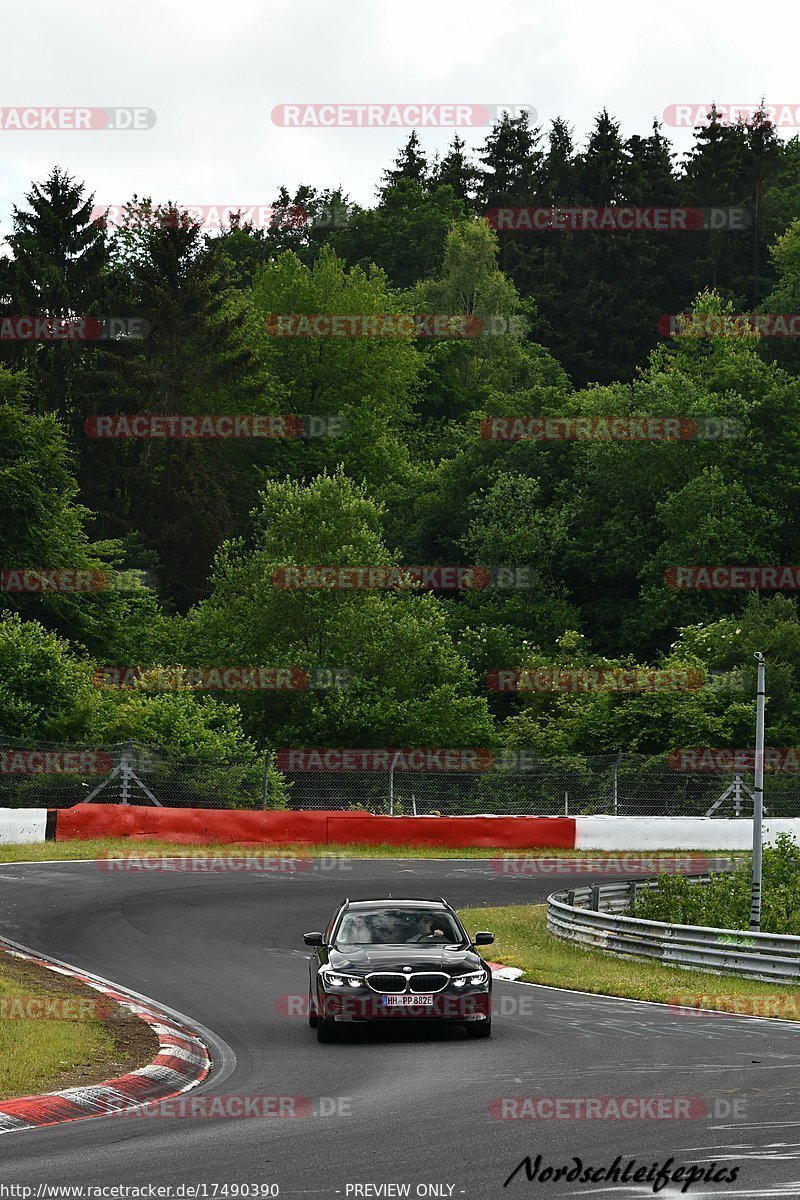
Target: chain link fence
(615, 785)
(45, 774)
(51, 775)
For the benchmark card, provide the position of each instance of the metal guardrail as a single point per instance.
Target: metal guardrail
(594, 917)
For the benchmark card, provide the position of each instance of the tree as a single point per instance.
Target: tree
(408, 684)
(202, 355)
(368, 381)
(58, 255)
(457, 171)
(495, 355)
(404, 235)
(411, 164)
(45, 528)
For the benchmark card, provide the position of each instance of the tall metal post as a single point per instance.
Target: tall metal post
(126, 771)
(615, 781)
(758, 798)
(265, 788)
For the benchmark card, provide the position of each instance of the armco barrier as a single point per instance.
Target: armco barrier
(573, 917)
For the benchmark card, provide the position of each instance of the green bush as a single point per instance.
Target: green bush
(725, 901)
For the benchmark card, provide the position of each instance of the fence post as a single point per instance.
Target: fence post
(595, 899)
(615, 782)
(126, 767)
(265, 788)
(566, 804)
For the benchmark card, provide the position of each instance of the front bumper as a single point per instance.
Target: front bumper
(446, 1006)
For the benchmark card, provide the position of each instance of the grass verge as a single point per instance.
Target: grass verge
(123, 847)
(79, 1037)
(523, 941)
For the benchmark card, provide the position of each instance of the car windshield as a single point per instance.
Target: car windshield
(397, 927)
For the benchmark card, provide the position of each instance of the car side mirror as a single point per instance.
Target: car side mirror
(313, 939)
(484, 939)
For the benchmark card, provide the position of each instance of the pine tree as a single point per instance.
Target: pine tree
(57, 257)
(458, 171)
(411, 163)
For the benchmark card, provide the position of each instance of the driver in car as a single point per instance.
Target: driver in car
(426, 928)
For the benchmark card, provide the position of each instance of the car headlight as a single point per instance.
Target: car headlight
(474, 979)
(333, 979)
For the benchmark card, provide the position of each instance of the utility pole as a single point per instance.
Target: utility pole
(758, 798)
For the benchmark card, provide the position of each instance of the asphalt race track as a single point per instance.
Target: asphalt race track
(408, 1108)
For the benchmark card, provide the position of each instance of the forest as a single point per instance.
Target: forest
(419, 396)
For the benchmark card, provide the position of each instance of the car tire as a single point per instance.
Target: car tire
(480, 1029)
(326, 1030)
(312, 1014)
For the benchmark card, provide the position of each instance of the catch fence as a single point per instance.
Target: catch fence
(518, 783)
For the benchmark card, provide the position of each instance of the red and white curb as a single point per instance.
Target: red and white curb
(501, 972)
(183, 1061)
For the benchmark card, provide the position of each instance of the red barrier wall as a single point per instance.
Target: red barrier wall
(201, 825)
(512, 833)
(189, 826)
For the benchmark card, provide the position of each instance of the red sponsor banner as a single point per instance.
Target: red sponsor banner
(729, 578)
(730, 324)
(56, 1008)
(784, 1005)
(32, 118)
(45, 579)
(726, 759)
(598, 1108)
(380, 759)
(614, 864)
(580, 218)
(374, 325)
(611, 679)
(690, 115)
(55, 762)
(337, 578)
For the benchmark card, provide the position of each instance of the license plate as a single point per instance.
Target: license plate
(406, 1001)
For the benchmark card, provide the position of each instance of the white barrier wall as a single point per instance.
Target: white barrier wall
(22, 825)
(675, 833)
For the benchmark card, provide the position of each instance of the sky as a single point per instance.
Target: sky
(214, 73)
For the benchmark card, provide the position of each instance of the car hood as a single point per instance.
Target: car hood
(394, 958)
